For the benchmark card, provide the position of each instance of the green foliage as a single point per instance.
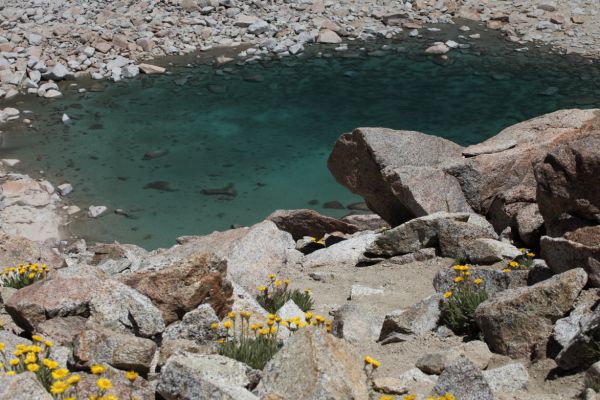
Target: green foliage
(458, 311)
(253, 351)
(303, 299)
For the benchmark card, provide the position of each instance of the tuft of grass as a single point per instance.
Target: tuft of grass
(458, 311)
(253, 351)
(461, 301)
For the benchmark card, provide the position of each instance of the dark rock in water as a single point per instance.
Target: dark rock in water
(122, 178)
(236, 226)
(126, 214)
(96, 126)
(155, 154)
(163, 186)
(224, 191)
(313, 202)
(217, 89)
(254, 78)
(361, 206)
(335, 205)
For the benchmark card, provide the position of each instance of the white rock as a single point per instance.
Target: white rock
(64, 189)
(360, 291)
(89, 51)
(451, 44)
(130, 71)
(244, 21)
(71, 210)
(258, 27)
(437, 49)
(52, 94)
(328, 36)
(65, 118)
(10, 162)
(151, 69)
(508, 378)
(96, 211)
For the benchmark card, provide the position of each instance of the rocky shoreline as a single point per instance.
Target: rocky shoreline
(40, 45)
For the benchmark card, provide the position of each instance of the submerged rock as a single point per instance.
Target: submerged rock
(162, 186)
(302, 223)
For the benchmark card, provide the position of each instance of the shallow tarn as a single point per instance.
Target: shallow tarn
(206, 147)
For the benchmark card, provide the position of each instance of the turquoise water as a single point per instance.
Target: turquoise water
(264, 131)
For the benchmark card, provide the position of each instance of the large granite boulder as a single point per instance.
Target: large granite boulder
(417, 319)
(519, 322)
(16, 250)
(104, 302)
(497, 175)
(300, 223)
(190, 376)
(185, 285)
(567, 179)
(122, 351)
(399, 173)
(315, 365)
(577, 249)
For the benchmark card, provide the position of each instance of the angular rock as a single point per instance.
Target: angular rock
(108, 303)
(357, 323)
(419, 318)
(399, 173)
(327, 36)
(195, 326)
(484, 177)
(508, 378)
(314, 365)
(62, 330)
(302, 223)
(465, 381)
(103, 346)
(475, 351)
(530, 225)
(578, 249)
(150, 69)
(15, 250)
(24, 386)
(449, 232)
(192, 376)
(489, 251)
(518, 322)
(567, 179)
(566, 329)
(346, 252)
(185, 285)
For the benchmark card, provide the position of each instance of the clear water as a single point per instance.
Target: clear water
(266, 129)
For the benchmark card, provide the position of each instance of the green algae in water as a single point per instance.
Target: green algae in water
(201, 149)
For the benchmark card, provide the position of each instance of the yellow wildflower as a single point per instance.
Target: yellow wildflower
(98, 369)
(308, 316)
(374, 363)
(73, 379)
(478, 281)
(458, 279)
(513, 264)
(59, 387)
(14, 361)
(262, 288)
(227, 324)
(37, 338)
(60, 373)
(506, 270)
(447, 295)
(2, 346)
(272, 277)
(131, 376)
(386, 397)
(48, 343)
(49, 363)
(410, 397)
(271, 316)
(277, 283)
(231, 314)
(11, 373)
(531, 255)
(214, 325)
(33, 368)
(104, 384)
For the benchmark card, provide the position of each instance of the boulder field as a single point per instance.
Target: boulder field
(517, 216)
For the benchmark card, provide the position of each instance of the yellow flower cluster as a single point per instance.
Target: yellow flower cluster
(521, 262)
(22, 275)
(60, 382)
(464, 274)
